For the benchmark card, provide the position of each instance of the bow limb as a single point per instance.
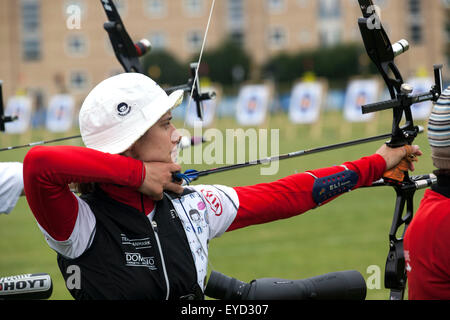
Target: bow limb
(125, 50)
(128, 53)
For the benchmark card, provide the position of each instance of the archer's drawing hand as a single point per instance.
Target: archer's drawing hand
(393, 156)
(158, 178)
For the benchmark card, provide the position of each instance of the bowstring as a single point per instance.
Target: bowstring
(205, 251)
(200, 58)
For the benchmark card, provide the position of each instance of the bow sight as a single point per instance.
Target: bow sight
(383, 53)
(128, 55)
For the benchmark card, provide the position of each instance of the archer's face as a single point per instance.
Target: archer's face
(158, 144)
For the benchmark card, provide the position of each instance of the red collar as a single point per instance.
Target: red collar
(130, 197)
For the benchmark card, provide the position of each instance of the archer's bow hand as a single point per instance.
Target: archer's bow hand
(399, 161)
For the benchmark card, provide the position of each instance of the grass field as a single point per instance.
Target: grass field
(350, 233)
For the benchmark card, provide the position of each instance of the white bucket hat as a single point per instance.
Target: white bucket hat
(120, 109)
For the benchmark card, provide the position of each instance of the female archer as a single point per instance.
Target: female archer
(136, 234)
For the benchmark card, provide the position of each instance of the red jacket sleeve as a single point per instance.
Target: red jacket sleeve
(292, 195)
(47, 171)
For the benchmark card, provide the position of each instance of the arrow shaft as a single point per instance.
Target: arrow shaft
(32, 144)
(294, 154)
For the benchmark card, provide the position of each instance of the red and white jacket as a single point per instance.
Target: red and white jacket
(427, 253)
(68, 222)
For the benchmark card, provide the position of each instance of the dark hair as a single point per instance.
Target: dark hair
(83, 188)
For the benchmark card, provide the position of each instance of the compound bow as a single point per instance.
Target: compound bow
(382, 53)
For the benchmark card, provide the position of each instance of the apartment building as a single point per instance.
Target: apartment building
(49, 46)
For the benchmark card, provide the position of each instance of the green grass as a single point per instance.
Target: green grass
(351, 233)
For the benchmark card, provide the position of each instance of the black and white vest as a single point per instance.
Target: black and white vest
(132, 256)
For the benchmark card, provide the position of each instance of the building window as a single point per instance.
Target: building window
(330, 37)
(194, 7)
(31, 28)
(329, 9)
(30, 15)
(238, 37)
(76, 45)
(79, 4)
(79, 80)
(155, 8)
(275, 6)
(416, 33)
(158, 40)
(414, 7)
(235, 14)
(194, 40)
(416, 25)
(31, 48)
(277, 37)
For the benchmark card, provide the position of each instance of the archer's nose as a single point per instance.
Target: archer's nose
(176, 137)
